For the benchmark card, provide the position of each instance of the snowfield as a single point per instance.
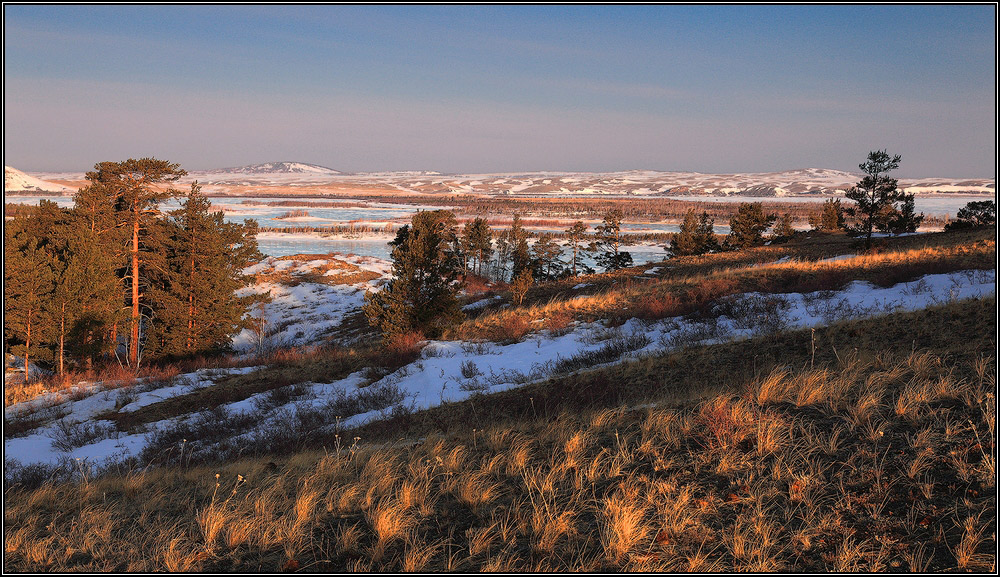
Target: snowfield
(446, 371)
(304, 314)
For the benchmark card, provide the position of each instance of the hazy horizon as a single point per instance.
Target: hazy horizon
(503, 89)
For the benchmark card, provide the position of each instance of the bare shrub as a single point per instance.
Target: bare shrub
(613, 350)
(761, 314)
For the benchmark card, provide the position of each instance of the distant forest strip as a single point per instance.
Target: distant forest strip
(595, 208)
(308, 203)
(350, 228)
(390, 228)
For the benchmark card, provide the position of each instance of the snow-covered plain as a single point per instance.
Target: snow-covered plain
(446, 371)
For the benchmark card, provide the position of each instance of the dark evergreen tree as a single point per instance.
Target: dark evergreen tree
(875, 195)
(747, 226)
(88, 295)
(696, 235)
(975, 214)
(196, 309)
(503, 251)
(830, 218)
(609, 240)
(29, 281)
(422, 294)
(477, 238)
(705, 234)
(96, 206)
(683, 243)
(520, 256)
(783, 230)
(546, 262)
(903, 218)
(577, 235)
(136, 186)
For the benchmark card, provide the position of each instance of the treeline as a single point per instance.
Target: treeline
(348, 229)
(114, 279)
(633, 208)
(433, 258)
(307, 203)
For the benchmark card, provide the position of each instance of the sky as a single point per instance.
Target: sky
(715, 89)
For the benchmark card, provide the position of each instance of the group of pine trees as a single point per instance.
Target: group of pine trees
(113, 278)
(879, 206)
(506, 255)
(432, 258)
(746, 229)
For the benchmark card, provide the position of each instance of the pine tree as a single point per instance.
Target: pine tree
(747, 226)
(904, 218)
(503, 251)
(422, 294)
(684, 243)
(577, 234)
(96, 206)
(546, 262)
(136, 186)
(830, 218)
(705, 234)
(609, 239)
(520, 257)
(875, 195)
(784, 230)
(88, 293)
(29, 281)
(477, 238)
(696, 235)
(196, 309)
(975, 214)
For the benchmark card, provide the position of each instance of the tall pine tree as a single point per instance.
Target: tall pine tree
(477, 237)
(520, 256)
(747, 226)
(422, 294)
(874, 196)
(29, 281)
(577, 235)
(609, 240)
(137, 187)
(196, 310)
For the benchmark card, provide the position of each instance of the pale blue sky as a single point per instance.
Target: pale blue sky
(503, 89)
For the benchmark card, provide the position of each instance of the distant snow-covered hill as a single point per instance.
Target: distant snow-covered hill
(16, 181)
(275, 168)
(291, 177)
(286, 173)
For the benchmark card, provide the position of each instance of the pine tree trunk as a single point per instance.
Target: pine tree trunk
(27, 347)
(62, 337)
(114, 336)
(190, 338)
(134, 348)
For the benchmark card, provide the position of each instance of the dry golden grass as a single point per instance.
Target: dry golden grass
(689, 284)
(756, 479)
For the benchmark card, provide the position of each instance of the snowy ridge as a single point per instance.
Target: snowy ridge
(274, 168)
(807, 182)
(16, 181)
